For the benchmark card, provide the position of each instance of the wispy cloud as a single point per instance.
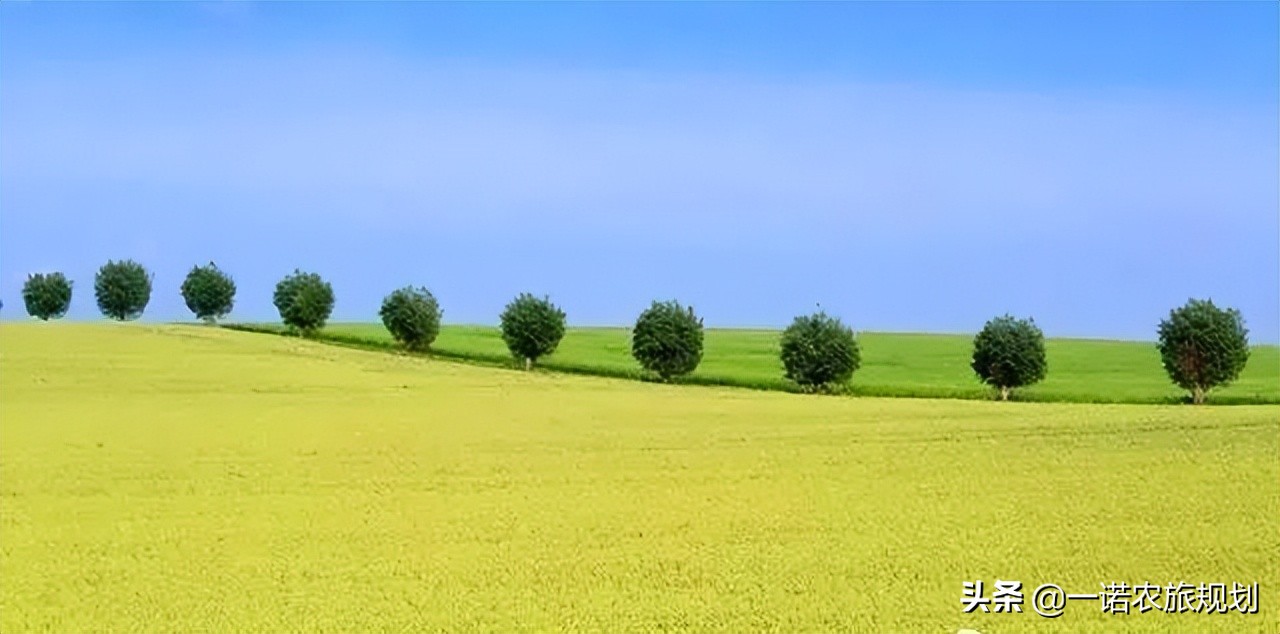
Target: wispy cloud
(685, 160)
(585, 144)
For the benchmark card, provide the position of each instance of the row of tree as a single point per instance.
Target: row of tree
(123, 290)
(1201, 345)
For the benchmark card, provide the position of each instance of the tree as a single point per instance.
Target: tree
(123, 289)
(1203, 347)
(304, 300)
(209, 292)
(47, 296)
(667, 339)
(1009, 353)
(532, 327)
(819, 352)
(412, 315)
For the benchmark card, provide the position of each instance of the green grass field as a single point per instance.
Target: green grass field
(921, 365)
(182, 478)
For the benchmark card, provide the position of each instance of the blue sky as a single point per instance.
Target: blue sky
(910, 167)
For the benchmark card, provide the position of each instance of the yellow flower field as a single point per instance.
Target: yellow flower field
(183, 478)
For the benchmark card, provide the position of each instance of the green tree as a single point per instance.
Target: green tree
(305, 301)
(532, 327)
(123, 289)
(819, 352)
(47, 296)
(412, 316)
(208, 292)
(1203, 347)
(1009, 353)
(667, 339)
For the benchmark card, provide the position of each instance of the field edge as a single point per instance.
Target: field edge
(712, 380)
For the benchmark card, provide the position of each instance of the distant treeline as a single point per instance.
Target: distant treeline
(1201, 345)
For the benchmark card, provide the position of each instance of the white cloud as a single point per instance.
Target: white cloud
(587, 146)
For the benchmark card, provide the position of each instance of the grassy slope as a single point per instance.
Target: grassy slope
(892, 364)
(193, 479)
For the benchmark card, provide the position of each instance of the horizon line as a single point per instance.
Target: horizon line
(924, 333)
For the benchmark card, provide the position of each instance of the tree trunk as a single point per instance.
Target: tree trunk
(528, 364)
(1197, 395)
(1004, 392)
